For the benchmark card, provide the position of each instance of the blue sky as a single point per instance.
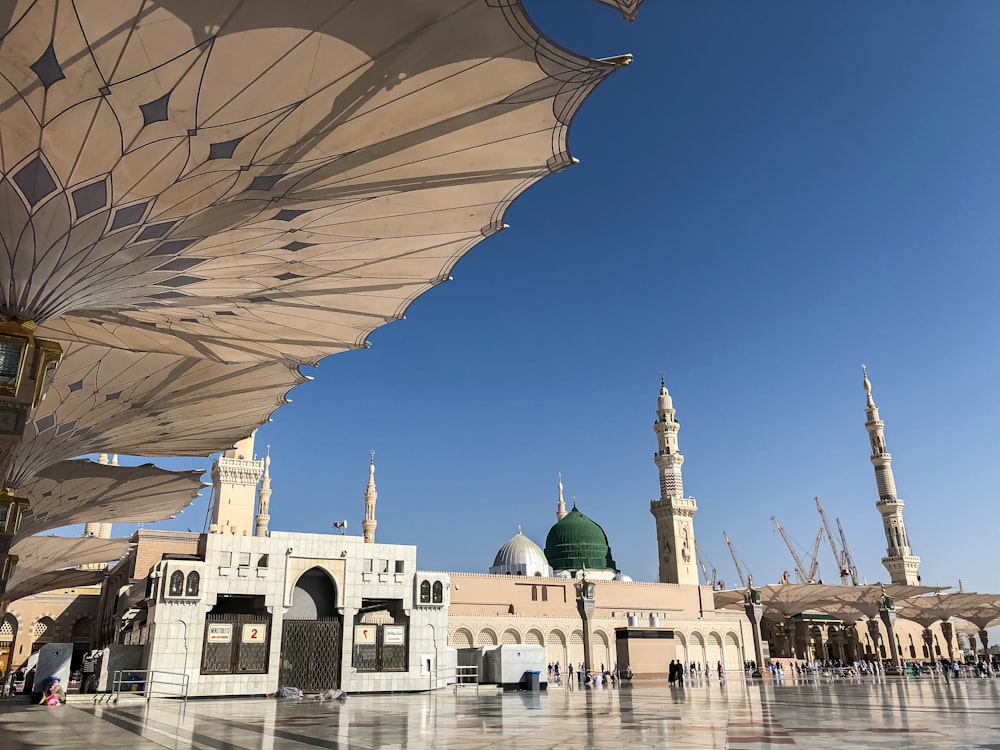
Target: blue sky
(770, 195)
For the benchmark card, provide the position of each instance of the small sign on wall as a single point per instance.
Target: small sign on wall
(364, 635)
(220, 632)
(394, 635)
(254, 633)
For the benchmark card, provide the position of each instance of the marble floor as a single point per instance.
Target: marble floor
(859, 714)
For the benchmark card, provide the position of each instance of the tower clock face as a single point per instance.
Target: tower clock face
(8, 420)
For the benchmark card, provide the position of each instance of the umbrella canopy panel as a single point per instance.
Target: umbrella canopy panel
(243, 181)
(73, 492)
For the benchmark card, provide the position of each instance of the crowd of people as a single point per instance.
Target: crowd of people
(595, 677)
(873, 667)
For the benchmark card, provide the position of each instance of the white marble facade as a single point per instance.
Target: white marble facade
(268, 568)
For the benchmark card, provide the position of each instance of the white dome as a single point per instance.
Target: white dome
(521, 557)
(619, 576)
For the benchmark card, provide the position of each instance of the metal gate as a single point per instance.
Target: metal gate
(236, 643)
(310, 654)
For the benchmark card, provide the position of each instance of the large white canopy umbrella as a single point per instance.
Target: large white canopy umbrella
(73, 492)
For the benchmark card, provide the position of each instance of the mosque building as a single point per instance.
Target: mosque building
(572, 599)
(245, 610)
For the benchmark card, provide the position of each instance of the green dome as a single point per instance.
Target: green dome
(575, 542)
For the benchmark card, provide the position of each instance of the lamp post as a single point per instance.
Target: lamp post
(585, 604)
(753, 608)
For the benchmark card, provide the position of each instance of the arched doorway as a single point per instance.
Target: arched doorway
(312, 635)
(80, 636)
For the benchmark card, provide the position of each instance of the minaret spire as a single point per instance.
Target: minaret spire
(673, 512)
(96, 528)
(235, 475)
(900, 561)
(561, 505)
(264, 498)
(369, 523)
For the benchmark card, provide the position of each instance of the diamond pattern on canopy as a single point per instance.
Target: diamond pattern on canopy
(41, 559)
(72, 492)
(243, 181)
(112, 400)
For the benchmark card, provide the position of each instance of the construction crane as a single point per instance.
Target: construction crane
(736, 562)
(814, 563)
(848, 562)
(704, 569)
(837, 556)
(800, 569)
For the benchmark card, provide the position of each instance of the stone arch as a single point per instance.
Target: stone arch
(8, 628)
(8, 634)
(600, 650)
(510, 637)
(680, 641)
(713, 650)
(731, 658)
(486, 637)
(696, 648)
(534, 637)
(574, 652)
(555, 649)
(82, 631)
(314, 596)
(461, 638)
(44, 631)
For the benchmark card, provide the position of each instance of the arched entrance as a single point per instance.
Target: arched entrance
(312, 635)
(80, 636)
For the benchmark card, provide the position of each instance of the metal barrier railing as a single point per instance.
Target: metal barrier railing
(455, 678)
(150, 683)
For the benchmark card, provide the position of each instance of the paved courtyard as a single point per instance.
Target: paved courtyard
(859, 714)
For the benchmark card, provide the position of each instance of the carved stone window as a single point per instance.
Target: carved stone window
(425, 592)
(193, 584)
(176, 584)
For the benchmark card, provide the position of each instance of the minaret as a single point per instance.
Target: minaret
(368, 525)
(561, 505)
(899, 560)
(234, 481)
(264, 498)
(673, 512)
(100, 530)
